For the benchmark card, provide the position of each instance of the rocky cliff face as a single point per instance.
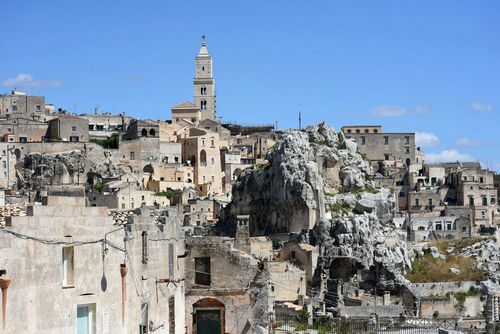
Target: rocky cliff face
(36, 170)
(316, 184)
(288, 193)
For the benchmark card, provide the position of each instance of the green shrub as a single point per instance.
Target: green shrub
(108, 143)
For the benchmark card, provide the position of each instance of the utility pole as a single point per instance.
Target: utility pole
(300, 121)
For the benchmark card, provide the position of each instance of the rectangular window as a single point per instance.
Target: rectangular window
(38, 108)
(386, 156)
(407, 150)
(485, 201)
(407, 140)
(23, 139)
(430, 202)
(493, 200)
(74, 139)
(85, 319)
(171, 257)
(14, 108)
(73, 128)
(417, 202)
(471, 201)
(202, 271)
(363, 140)
(144, 247)
(171, 315)
(132, 155)
(68, 266)
(386, 140)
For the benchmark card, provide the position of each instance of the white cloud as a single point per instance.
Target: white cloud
(422, 109)
(388, 111)
(426, 139)
(27, 80)
(448, 156)
(478, 106)
(467, 142)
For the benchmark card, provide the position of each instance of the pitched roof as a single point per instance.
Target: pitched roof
(185, 105)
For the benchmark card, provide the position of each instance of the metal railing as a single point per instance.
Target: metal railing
(286, 322)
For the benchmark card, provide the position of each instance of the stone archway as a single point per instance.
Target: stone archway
(208, 316)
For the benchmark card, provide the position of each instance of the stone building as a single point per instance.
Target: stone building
(187, 112)
(171, 176)
(438, 228)
(68, 128)
(126, 196)
(304, 256)
(476, 189)
(396, 148)
(225, 290)
(142, 129)
(205, 206)
(72, 269)
(287, 282)
(22, 130)
(106, 124)
(200, 149)
(18, 103)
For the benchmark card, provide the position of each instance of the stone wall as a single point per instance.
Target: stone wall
(38, 292)
(442, 288)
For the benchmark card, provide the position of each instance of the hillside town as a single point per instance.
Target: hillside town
(189, 225)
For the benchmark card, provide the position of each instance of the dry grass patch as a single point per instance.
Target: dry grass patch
(427, 269)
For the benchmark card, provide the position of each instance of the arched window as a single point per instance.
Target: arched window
(203, 105)
(152, 132)
(203, 157)
(144, 132)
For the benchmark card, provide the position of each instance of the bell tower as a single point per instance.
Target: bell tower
(204, 84)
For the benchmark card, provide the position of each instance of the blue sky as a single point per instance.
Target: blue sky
(430, 67)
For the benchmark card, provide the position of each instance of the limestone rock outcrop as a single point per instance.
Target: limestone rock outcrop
(317, 185)
(487, 255)
(288, 193)
(36, 170)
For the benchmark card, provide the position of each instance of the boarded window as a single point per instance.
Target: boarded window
(68, 266)
(202, 270)
(171, 314)
(144, 247)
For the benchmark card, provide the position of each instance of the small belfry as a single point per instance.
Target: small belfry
(204, 84)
